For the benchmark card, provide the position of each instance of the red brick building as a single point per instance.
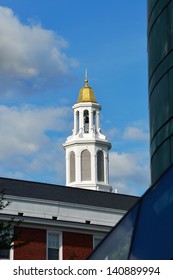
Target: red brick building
(59, 222)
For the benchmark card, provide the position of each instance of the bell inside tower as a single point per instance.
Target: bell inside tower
(86, 121)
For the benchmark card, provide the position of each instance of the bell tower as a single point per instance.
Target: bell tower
(87, 149)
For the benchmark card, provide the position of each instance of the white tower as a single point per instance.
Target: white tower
(87, 158)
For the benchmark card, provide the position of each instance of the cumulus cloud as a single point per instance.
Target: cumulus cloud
(29, 145)
(135, 133)
(129, 173)
(30, 56)
(111, 133)
(26, 130)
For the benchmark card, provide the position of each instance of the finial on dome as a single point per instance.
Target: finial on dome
(86, 93)
(86, 78)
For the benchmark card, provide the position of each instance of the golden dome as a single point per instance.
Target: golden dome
(86, 93)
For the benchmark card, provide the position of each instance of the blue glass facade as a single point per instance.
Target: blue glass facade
(160, 76)
(146, 231)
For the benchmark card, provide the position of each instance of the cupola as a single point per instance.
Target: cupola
(87, 149)
(86, 93)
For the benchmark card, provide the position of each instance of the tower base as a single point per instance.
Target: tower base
(93, 187)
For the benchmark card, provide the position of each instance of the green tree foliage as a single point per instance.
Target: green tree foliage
(3, 203)
(9, 231)
(6, 228)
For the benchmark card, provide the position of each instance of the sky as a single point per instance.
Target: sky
(45, 48)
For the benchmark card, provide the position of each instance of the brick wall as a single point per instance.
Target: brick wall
(34, 247)
(76, 246)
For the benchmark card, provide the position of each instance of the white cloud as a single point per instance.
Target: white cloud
(135, 133)
(121, 187)
(24, 131)
(30, 56)
(111, 133)
(129, 172)
(29, 146)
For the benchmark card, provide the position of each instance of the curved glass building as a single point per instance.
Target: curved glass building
(160, 71)
(145, 232)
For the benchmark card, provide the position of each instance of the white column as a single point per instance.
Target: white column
(95, 167)
(98, 120)
(90, 121)
(75, 123)
(67, 169)
(78, 168)
(81, 120)
(106, 169)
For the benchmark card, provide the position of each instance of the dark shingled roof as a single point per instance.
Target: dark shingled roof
(52, 192)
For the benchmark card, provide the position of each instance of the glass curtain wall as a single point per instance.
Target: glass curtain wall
(160, 74)
(145, 232)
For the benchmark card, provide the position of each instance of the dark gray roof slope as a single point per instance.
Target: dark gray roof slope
(52, 192)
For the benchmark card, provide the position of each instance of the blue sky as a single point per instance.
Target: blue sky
(45, 47)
